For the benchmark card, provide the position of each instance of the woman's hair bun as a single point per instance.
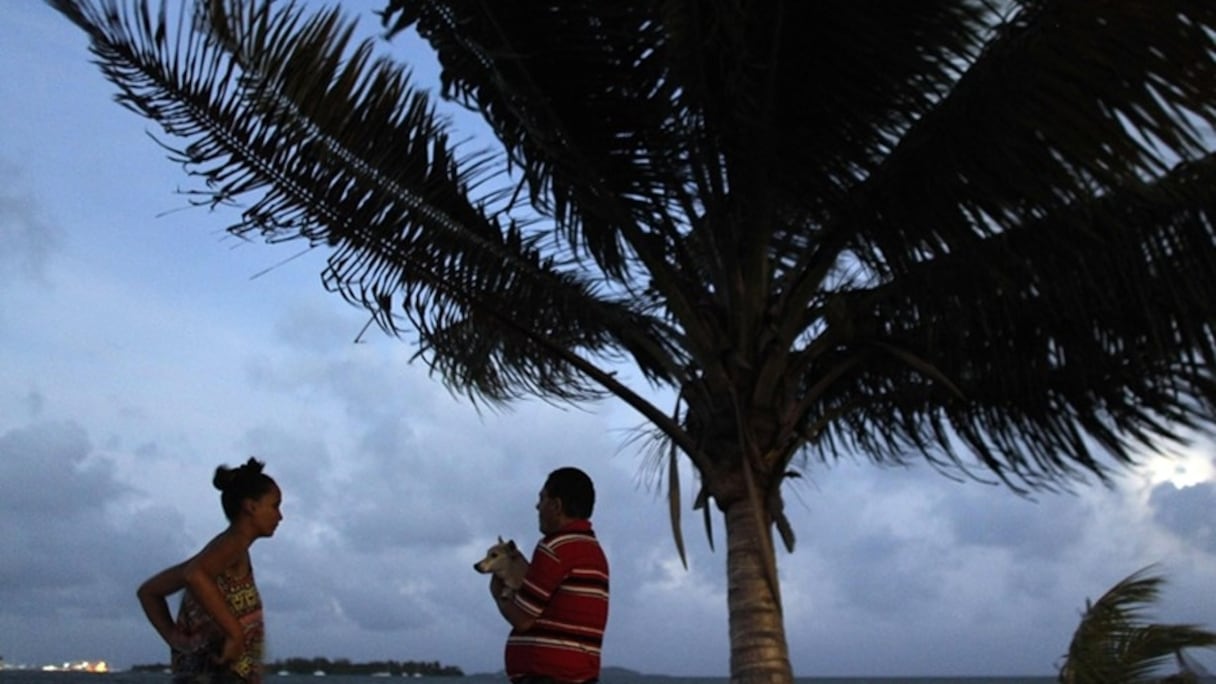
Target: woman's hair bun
(227, 478)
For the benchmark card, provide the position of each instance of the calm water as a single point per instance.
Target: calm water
(37, 677)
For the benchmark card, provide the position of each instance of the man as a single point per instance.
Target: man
(558, 616)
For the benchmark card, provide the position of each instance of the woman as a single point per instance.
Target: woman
(218, 635)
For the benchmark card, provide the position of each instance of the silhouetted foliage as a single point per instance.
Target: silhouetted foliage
(1115, 644)
(976, 233)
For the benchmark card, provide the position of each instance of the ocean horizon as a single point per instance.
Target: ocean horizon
(610, 676)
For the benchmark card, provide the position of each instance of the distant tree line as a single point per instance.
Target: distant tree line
(428, 668)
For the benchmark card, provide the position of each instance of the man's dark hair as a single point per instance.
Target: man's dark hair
(574, 488)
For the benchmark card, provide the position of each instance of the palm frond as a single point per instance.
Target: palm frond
(1105, 307)
(546, 78)
(338, 148)
(1068, 100)
(1113, 643)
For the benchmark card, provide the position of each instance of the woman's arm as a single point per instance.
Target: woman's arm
(152, 594)
(200, 573)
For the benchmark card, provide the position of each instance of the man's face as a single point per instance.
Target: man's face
(548, 512)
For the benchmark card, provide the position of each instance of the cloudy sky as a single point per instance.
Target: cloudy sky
(140, 348)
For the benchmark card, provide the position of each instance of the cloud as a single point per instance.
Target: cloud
(62, 448)
(139, 353)
(78, 527)
(1187, 512)
(29, 240)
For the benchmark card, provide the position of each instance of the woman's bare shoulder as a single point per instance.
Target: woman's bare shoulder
(226, 553)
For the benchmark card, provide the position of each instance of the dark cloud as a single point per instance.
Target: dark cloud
(377, 612)
(63, 482)
(879, 576)
(298, 459)
(79, 528)
(1188, 512)
(989, 516)
(29, 239)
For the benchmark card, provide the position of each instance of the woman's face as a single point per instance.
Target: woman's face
(265, 512)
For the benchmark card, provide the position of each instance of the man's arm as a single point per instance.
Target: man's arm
(512, 613)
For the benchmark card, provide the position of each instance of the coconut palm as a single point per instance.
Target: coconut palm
(972, 233)
(1114, 644)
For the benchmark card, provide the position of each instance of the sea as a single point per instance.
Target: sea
(41, 677)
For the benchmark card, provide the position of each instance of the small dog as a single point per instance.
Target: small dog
(506, 561)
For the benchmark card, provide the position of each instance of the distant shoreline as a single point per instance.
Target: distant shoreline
(341, 666)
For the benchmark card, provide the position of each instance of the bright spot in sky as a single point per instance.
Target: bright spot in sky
(1184, 467)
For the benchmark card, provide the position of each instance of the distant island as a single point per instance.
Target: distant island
(343, 666)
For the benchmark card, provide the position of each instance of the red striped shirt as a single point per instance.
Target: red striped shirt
(566, 590)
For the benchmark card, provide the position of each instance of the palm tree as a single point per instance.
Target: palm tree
(973, 233)
(1114, 645)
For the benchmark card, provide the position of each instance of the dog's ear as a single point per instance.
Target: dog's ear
(511, 544)
(500, 539)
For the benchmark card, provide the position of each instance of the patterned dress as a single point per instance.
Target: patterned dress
(197, 665)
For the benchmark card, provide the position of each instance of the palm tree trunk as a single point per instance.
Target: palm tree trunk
(759, 653)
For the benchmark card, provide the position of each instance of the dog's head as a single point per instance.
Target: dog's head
(497, 557)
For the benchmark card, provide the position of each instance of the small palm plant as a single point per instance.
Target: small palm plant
(1114, 645)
